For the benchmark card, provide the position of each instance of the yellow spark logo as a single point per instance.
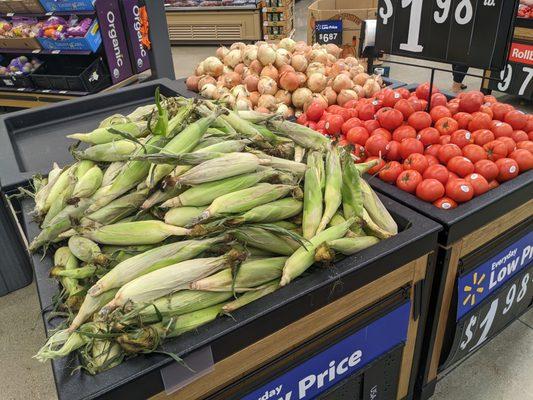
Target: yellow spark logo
(471, 297)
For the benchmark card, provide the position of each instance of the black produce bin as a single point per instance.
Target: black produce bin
(74, 74)
(140, 377)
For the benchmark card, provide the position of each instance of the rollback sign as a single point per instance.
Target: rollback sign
(469, 32)
(326, 369)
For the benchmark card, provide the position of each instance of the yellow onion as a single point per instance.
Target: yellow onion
(330, 95)
(192, 83)
(251, 82)
(267, 85)
(283, 96)
(316, 82)
(204, 80)
(266, 54)
(221, 52)
(271, 72)
(299, 62)
(289, 81)
(341, 82)
(361, 78)
(346, 95)
(213, 66)
(267, 101)
(301, 97)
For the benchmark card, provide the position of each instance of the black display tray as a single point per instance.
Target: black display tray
(140, 377)
(31, 140)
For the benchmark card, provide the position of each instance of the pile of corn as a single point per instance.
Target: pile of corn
(183, 211)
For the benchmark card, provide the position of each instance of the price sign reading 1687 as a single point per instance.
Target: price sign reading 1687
(470, 32)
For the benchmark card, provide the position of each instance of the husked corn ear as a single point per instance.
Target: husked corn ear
(133, 233)
(265, 240)
(116, 210)
(245, 199)
(271, 212)
(251, 296)
(182, 216)
(349, 246)
(89, 183)
(86, 250)
(205, 193)
(89, 306)
(299, 153)
(377, 211)
(105, 135)
(332, 193)
(304, 257)
(312, 207)
(151, 260)
(117, 150)
(301, 135)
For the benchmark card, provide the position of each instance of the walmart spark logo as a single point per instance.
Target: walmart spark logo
(472, 290)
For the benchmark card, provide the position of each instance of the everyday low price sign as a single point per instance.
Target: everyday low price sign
(329, 31)
(339, 361)
(478, 284)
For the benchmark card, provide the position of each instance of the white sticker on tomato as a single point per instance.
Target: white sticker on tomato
(512, 169)
(375, 102)
(468, 135)
(446, 206)
(397, 95)
(474, 176)
(465, 188)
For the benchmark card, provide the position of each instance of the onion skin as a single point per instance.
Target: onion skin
(256, 66)
(346, 95)
(213, 66)
(289, 81)
(192, 83)
(233, 58)
(341, 82)
(232, 79)
(209, 91)
(299, 62)
(361, 78)
(330, 95)
(251, 82)
(287, 44)
(254, 98)
(301, 97)
(249, 55)
(334, 50)
(266, 54)
(239, 68)
(267, 85)
(283, 96)
(317, 98)
(371, 87)
(221, 52)
(359, 90)
(316, 67)
(302, 78)
(262, 110)
(271, 72)
(285, 68)
(199, 71)
(283, 57)
(316, 82)
(268, 102)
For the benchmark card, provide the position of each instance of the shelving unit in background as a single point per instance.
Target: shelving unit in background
(278, 19)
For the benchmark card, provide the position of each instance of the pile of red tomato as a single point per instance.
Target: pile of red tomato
(460, 149)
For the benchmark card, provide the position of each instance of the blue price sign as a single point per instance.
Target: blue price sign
(324, 370)
(328, 32)
(485, 279)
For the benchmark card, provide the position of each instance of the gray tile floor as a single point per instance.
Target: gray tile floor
(502, 370)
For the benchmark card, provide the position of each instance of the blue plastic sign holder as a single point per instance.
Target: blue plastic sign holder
(324, 370)
(479, 283)
(329, 31)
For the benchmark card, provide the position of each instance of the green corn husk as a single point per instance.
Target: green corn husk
(190, 321)
(242, 126)
(42, 194)
(76, 273)
(182, 216)
(161, 196)
(363, 168)
(286, 225)
(374, 229)
(113, 120)
(133, 233)
(265, 240)
(250, 274)
(301, 135)
(178, 122)
(151, 260)
(141, 113)
(63, 258)
(172, 278)
(159, 124)
(271, 212)
(304, 257)
(352, 197)
(112, 172)
(117, 210)
(337, 219)
(82, 167)
(117, 150)
(295, 168)
(89, 183)
(377, 211)
(349, 246)
(181, 159)
(312, 207)
(245, 199)
(185, 142)
(105, 354)
(64, 180)
(249, 297)
(105, 135)
(86, 250)
(57, 206)
(204, 194)
(332, 193)
(253, 117)
(299, 153)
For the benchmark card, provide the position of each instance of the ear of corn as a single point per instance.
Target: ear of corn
(183, 216)
(89, 183)
(76, 273)
(112, 172)
(105, 135)
(377, 211)
(178, 121)
(63, 258)
(117, 150)
(43, 193)
(242, 126)
(113, 120)
(105, 355)
(190, 321)
(82, 167)
(352, 198)
(90, 306)
(332, 193)
(265, 240)
(249, 297)
(118, 209)
(57, 206)
(64, 180)
(271, 212)
(295, 168)
(86, 250)
(64, 342)
(312, 207)
(349, 246)
(364, 167)
(374, 229)
(301, 135)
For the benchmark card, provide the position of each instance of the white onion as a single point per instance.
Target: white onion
(226, 70)
(359, 90)
(283, 96)
(213, 66)
(301, 97)
(330, 95)
(333, 49)
(360, 78)
(371, 87)
(221, 52)
(239, 91)
(271, 72)
(346, 95)
(283, 57)
(251, 82)
(233, 58)
(267, 85)
(232, 79)
(221, 91)
(316, 82)
(266, 54)
(243, 103)
(299, 62)
(267, 101)
(204, 80)
(208, 91)
(316, 67)
(340, 82)
(285, 110)
(192, 83)
(238, 46)
(287, 44)
(249, 55)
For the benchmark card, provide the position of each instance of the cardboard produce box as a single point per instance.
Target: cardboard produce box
(351, 12)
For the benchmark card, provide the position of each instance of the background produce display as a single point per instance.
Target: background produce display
(283, 78)
(184, 210)
(459, 149)
(20, 66)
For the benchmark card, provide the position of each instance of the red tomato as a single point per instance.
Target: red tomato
(495, 150)
(371, 125)
(351, 123)
(417, 104)
(474, 152)
(527, 145)
(463, 119)
(487, 168)
(404, 92)
(422, 91)
(416, 161)
(459, 190)
(500, 109)
(321, 125)
(438, 172)
(438, 99)
(530, 135)
(510, 143)
(479, 121)
(445, 139)
(409, 146)
(487, 110)
(461, 138)
(375, 169)
(452, 176)
(389, 173)
(393, 151)
(460, 165)
(405, 108)
(334, 124)
(419, 120)
(430, 190)
(409, 180)
(350, 104)
(404, 132)
(343, 142)
(529, 125)
(377, 103)
(470, 102)
(446, 125)
(302, 119)
(517, 119)
(314, 111)
(376, 146)
(432, 160)
(490, 99)
(439, 112)
(366, 111)
(433, 150)
(428, 136)
(357, 135)
(519, 136)
(447, 152)
(501, 129)
(445, 203)
(482, 137)
(391, 98)
(493, 184)
(478, 182)
(523, 158)
(383, 132)
(312, 125)
(359, 152)
(453, 107)
(389, 118)
(508, 169)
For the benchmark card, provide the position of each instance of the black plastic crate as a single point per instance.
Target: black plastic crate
(74, 74)
(15, 81)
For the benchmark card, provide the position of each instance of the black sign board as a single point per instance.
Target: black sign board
(517, 76)
(329, 31)
(492, 316)
(468, 32)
